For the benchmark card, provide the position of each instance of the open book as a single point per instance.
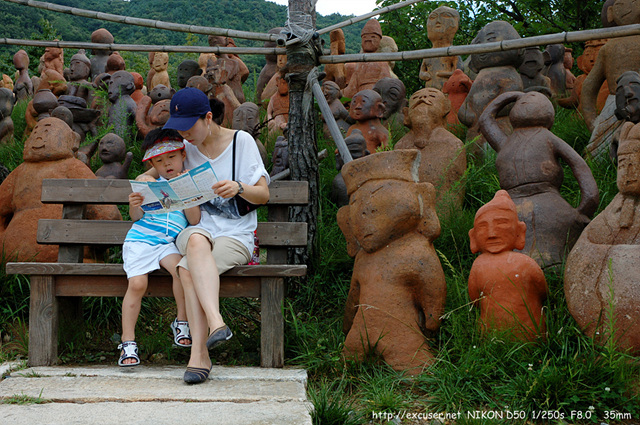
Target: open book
(187, 190)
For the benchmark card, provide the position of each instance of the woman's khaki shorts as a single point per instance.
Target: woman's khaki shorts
(227, 252)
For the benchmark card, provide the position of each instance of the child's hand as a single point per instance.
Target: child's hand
(145, 178)
(226, 188)
(135, 199)
(185, 171)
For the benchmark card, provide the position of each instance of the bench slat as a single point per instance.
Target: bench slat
(111, 232)
(109, 191)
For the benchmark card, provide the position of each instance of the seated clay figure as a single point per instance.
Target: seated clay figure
(332, 95)
(280, 156)
(509, 287)
(528, 165)
(186, 70)
(358, 148)
(554, 68)
(496, 74)
(53, 58)
(246, 117)
(23, 87)
(6, 123)
(236, 74)
(367, 74)
(270, 67)
(153, 110)
(278, 109)
(112, 151)
(161, 75)
(122, 112)
(456, 88)
(531, 72)
(79, 71)
(48, 153)
(393, 93)
(367, 110)
(442, 26)
(335, 71)
(99, 57)
(602, 269)
(568, 65)
(398, 290)
(443, 161)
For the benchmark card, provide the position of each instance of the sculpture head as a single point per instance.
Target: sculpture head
(357, 145)
(532, 63)
(331, 91)
(568, 58)
(366, 105)
(160, 92)
(79, 67)
(120, 84)
(624, 12)
(554, 53)
(54, 81)
(283, 86)
(388, 45)
(63, 113)
(428, 107)
(200, 83)
(6, 103)
(338, 46)
(604, 14)
(186, 70)
(496, 227)
(21, 60)
(393, 95)
(138, 81)
(371, 35)
(160, 61)
(218, 72)
(588, 57)
(442, 25)
(628, 179)
(459, 82)
(112, 148)
(628, 97)
(101, 81)
(281, 61)
(115, 63)
(280, 156)
(532, 109)
(52, 53)
(50, 140)
(493, 32)
(204, 58)
(218, 41)
(102, 36)
(246, 117)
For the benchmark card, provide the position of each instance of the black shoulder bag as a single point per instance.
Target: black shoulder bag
(244, 206)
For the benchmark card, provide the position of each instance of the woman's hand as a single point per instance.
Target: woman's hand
(226, 188)
(145, 178)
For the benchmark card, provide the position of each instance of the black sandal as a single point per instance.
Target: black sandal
(196, 375)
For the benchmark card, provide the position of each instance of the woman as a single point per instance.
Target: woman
(223, 238)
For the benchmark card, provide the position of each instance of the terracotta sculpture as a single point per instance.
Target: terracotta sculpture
(138, 83)
(269, 69)
(367, 110)
(201, 83)
(568, 65)
(153, 110)
(554, 68)
(122, 112)
(398, 289)
(115, 63)
(605, 18)
(246, 117)
(237, 74)
(443, 160)
(496, 74)
(23, 87)
(79, 71)
(509, 287)
(272, 86)
(336, 72)
(6, 82)
(203, 60)
(278, 109)
(99, 57)
(47, 154)
(531, 72)
(186, 70)
(84, 118)
(332, 95)
(358, 148)
(442, 26)
(6, 107)
(53, 58)
(602, 269)
(280, 156)
(456, 88)
(367, 74)
(43, 102)
(627, 105)
(218, 77)
(161, 76)
(393, 95)
(113, 151)
(529, 169)
(388, 45)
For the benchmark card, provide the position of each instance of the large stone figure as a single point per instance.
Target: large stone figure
(48, 153)
(100, 57)
(153, 110)
(442, 26)
(79, 71)
(53, 58)
(367, 74)
(6, 107)
(367, 110)
(398, 288)
(237, 74)
(122, 113)
(529, 169)
(115, 63)
(601, 278)
(112, 151)
(161, 75)
(23, 87)
(443, 160)
(457, 89)
(336, 72)
(278, 109)
(280, 156)
(509, 287)
(187, 69)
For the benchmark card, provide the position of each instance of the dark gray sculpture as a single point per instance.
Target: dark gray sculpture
(122, 113)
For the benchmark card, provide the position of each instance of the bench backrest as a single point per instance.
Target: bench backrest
(73, 231)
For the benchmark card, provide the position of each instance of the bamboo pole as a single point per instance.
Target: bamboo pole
(336, 134)
(144, 48)
(194, 29)
(498, 46)
(368, 15)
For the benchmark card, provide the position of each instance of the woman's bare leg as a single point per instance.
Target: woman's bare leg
(197, 323)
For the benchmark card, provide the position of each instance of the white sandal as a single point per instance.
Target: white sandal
(181, 330)
(129, 351)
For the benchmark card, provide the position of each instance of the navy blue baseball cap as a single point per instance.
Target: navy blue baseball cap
(187, 106)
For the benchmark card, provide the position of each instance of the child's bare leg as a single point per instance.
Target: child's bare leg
(169, 263)
(131, 308)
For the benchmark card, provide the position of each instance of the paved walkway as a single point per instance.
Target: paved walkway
(153, 395)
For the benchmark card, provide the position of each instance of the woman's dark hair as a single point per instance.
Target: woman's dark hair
(217, 110)
(158, 134)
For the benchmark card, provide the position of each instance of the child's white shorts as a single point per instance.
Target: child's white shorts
(141, 258)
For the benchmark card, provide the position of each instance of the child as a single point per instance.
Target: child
(150, 244)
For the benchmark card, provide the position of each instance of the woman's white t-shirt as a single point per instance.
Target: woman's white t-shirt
(218, 217)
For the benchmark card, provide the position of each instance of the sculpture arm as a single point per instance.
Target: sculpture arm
(591, 87)
(589, 195)
(6, 200)
(351, 306)
(487, 122)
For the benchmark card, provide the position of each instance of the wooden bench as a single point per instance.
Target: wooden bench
(70, 277)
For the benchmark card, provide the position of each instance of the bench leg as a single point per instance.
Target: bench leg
(43, 322)
(272, 322)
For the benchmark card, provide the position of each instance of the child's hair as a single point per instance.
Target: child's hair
(217, 110)
(157, 134)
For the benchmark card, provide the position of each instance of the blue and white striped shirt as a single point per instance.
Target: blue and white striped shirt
(157, 229)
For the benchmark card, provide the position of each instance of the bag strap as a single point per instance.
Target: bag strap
(233, 161)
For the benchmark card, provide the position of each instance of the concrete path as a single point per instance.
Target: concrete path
(153, 395)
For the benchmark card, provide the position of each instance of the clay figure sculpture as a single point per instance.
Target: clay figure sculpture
(236, 74)
(218, 76)
(554, 68)
(161, 75)
(280, 156)
(617, 56)
(278, 109)
(367, 110)
(151, 71)
(153, 110)
(443, 160)
(138, 83)
(23, 87)
(529, 169)
(442, 26)
(509, 287)
(186, 70)
(53, 58)
(393, 95)
(496, 75)
(628, 97)
(79, 71)
(270, 67)
(99, 57)
(456, 88)
(336, 72)
(6, 82)
(531, 72)
(272, 86)
(47, 154)
(43, 102)
(115, 63)
(201, 83)
(570, 80)
(247, 117)
(6, 108)
(122, 112)
(605, 17)
(357, 146)
(332, 95)
(367, 74)
(602, 269)
(113, 151)
(398, 289)
(84, 118)
(203, 60)
(388, 45)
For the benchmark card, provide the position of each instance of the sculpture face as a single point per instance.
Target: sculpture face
(366, 105)
(628, 180)
(442, 24)
(496, 230)
(628, 97)
(281, 61)
(532, 110)
(625, 12)
(186, 70)
(393, 94)
(246, 117)
(121, 83)
(493, 32)
(51, 53)
(370, 42)
(160, 61)
(331, 91)
(427, 105)
(283, 87)
(111, 149)
(51, 139)
(533, 62)
(79, 70)
(588, 58)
